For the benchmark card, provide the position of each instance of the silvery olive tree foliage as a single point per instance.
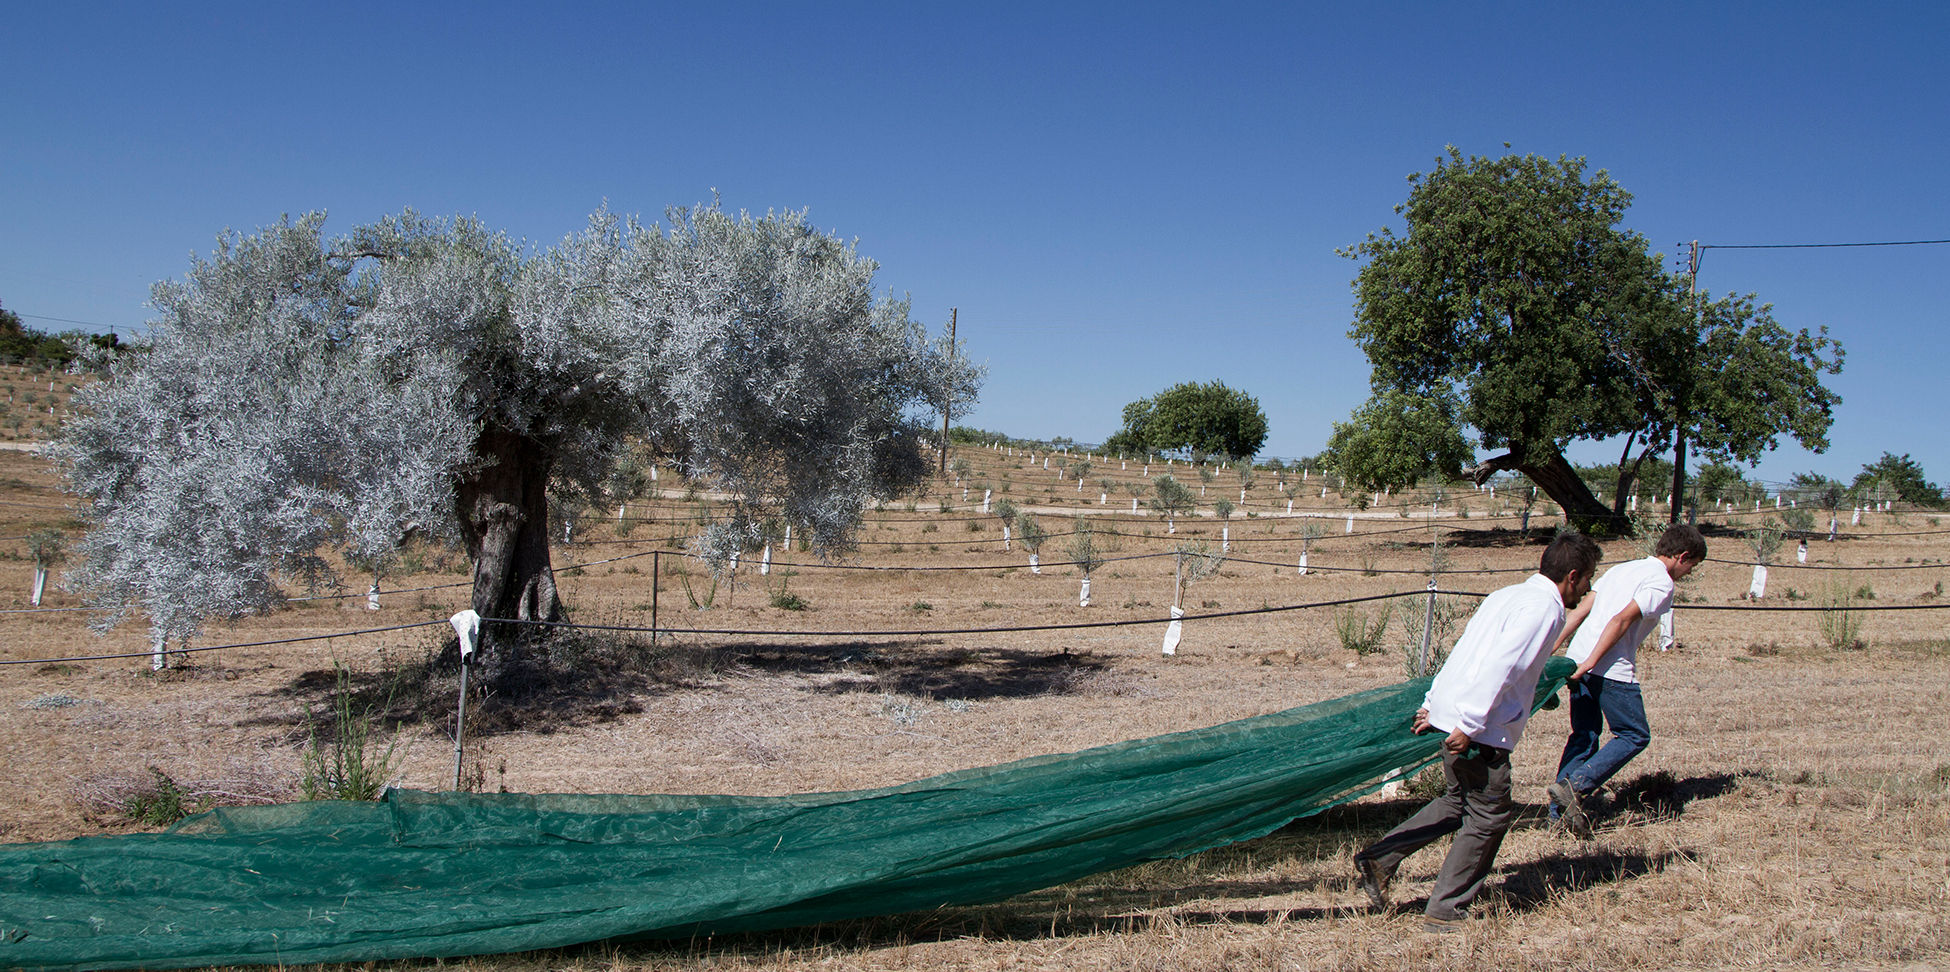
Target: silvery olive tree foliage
(301, 395)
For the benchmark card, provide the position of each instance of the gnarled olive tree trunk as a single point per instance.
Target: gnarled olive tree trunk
(503, 508)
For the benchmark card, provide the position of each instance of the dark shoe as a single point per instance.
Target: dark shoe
(1374, 879)
(1444, 926)
(1571, 809)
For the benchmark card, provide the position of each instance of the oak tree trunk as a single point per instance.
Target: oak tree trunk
(503, 507)
(1562, 484)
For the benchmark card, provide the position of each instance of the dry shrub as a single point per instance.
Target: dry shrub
(155, 798)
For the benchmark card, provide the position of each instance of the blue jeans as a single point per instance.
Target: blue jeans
(1595, 702)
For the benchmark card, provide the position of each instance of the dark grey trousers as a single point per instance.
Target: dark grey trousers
(1477, 809)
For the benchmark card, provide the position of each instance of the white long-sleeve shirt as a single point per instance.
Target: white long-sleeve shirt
(1486, 687)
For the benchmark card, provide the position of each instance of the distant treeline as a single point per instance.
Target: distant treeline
(20, 344)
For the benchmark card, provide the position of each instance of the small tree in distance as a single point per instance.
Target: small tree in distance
(1204, 420)
(1006, 512)
(1170, 498)
(1898, 477)
(1032, 536)
(1083, 553)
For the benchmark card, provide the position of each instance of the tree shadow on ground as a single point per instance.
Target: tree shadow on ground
(1491, 538)
(966, 674)
(560, 678)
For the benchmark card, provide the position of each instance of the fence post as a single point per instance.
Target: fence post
(1428, 626)
(656, 577)
(467, 626)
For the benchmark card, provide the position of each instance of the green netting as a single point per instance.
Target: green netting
(443, 874)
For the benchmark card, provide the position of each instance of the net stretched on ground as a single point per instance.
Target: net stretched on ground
(448, 874)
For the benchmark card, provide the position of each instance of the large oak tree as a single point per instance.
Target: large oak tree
(1513, 291)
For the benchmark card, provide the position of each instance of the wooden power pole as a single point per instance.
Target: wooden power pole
(946, 400)
(1684, 406)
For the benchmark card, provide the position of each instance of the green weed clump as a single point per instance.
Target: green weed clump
(1841, 625)
(160, 804)
(1360, 633)
(350, 766)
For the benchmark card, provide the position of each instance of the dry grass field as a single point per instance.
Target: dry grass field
(1793, 810)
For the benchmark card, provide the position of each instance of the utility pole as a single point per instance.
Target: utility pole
(1683, 406)
(946, 399)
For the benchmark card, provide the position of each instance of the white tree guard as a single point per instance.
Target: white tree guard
(1289, 507)
(1225, 539)
(985, 499)
(1350, 523)
(1801, 553)
(467, 631)
(1134, 508)
(40, 584)
(765, 564)
(1174, 631)
(1758, 589)
(1034, 566)
(372, 596)
(1083, 594)
(1005, 536)
(1303, 565)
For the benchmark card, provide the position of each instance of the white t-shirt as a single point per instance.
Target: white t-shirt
(1644, 582)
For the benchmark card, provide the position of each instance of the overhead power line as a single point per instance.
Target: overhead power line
(1808, 246)
(64, 320)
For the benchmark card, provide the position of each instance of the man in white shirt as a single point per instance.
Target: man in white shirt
(1481, 698)
(1605, 688)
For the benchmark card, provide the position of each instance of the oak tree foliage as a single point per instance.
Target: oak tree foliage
(1208, 419)
(1897, 477)
(1513, 297)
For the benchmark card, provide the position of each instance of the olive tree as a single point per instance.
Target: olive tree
(302, 396)
(1170, 499)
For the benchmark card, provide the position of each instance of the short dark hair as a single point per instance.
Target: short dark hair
(1569, 551)
(1681, 539)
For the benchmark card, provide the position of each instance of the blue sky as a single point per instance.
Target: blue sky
(1117, 197)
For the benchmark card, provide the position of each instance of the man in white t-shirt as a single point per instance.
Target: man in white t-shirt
(1605, 688)
(1481, 698)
